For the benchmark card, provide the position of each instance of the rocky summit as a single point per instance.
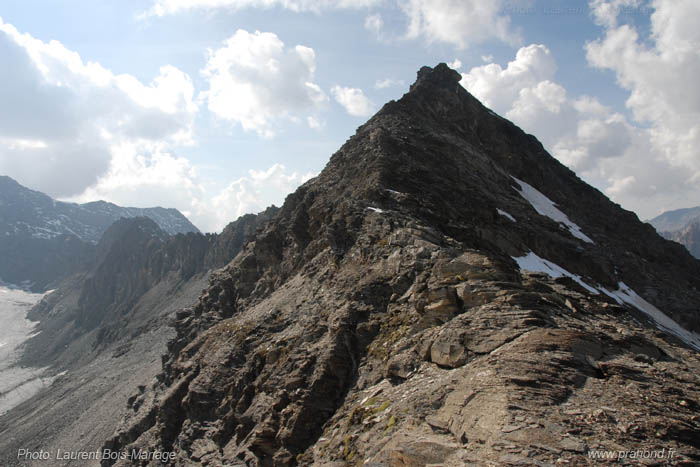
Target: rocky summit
(444, 292)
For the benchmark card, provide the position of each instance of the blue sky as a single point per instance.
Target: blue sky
(221, 107)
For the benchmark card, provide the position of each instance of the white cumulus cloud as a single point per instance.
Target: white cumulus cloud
(374, 23)
(606, 12)
(458, 22)
(164, 179)
(580, 131)
(146, 174)
(388, 83)
(648, 163)
(80, 132)
(254, 81)
(164, 7)
(499, 87)
(660, 72)
(353, 100)
(62, 119)
(253, 193)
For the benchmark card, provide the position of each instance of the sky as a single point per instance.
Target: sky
(223, 107)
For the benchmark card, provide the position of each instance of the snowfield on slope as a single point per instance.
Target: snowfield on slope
(532, 262)
(623, 295)
(545, 207)
(506, 215)
(17, 384)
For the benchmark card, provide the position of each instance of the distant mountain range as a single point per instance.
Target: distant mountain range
(682, 226)
(42, 240)
(135, 271)
(28, 212)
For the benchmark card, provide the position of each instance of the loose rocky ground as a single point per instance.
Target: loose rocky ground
(424, 355)
(82, 406)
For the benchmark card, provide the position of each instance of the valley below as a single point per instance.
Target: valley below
(17, 383)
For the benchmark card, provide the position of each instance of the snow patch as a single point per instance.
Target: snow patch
(624, 294)
(545, 207)
(532, 262)
(506, 215)
(371, 208)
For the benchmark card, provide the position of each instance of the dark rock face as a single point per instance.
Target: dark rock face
(231, 240)
(682, 226)
(43, 240)
(382, 315)
(37, 262)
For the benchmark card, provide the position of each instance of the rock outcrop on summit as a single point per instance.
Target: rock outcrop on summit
(444, 292)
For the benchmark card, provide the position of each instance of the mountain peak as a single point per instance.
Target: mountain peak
(442, 75)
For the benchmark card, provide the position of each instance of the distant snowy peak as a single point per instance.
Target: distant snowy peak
(546, 207)
(29, 213)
